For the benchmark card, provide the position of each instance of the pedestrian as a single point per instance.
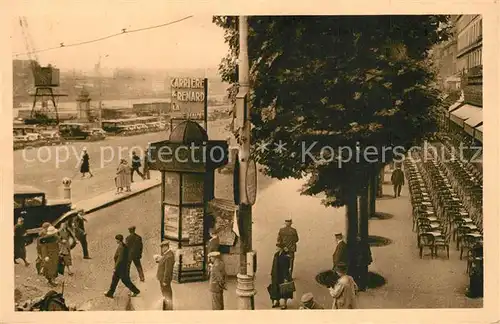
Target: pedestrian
(280, 274)
(136, 164)
(165, 274)
(81, 234)
(397, 180)
(65, 246)
(135, 246)
(214, 242)
(307, 302)
(49, 246)
(364, 259)
(288, 237)
(39, 258)
(85, 166)
(121, 270)
(217, 280)
(345, 290)
(340, 255)
(122, 177)
(145, 168)
(20, 241)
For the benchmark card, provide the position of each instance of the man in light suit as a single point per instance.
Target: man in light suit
(217, 281)
(165, 273)
(288, 237)
(340, 254)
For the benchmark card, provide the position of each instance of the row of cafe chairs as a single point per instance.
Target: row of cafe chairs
(437, 210)
(430, 231)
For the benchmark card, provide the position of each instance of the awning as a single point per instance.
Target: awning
(479, 133)
(471, 116)
(455, 105)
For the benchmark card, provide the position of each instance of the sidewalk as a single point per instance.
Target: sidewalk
(411, 282)
(111, 197)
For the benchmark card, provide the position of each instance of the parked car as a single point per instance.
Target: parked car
(53, 135)
(98, 132)
(34, 136)
(21, 139)
(31, 203)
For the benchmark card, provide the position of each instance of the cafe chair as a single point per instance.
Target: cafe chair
(443, 242)
(426, 240)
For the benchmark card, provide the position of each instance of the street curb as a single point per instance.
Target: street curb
(115, 201)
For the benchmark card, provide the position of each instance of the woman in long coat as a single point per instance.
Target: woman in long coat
(85, 167)
(49, 248)
(280, 273)
(123, 176)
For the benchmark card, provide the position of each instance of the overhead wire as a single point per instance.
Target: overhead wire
(123, 32)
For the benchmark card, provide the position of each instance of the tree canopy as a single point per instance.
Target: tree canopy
(319, 83)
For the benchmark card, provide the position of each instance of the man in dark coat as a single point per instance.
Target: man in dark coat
(397, 180)
(217, 280)
(81, 235)
(288, 237)
(165, 274)
(20, 241)
(121, 270)
(134, 245)
(280, 273)
(340, 254)
(136, 164)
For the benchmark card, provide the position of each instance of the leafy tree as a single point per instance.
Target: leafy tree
(337, 81)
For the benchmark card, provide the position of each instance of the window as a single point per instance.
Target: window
(480, 56)
(33, 201)
(18, 202)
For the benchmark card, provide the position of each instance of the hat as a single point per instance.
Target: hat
(342, 267)
(164, 242)
(131, 228)
(338, 235)
(307, 297)
(288, 220)
(51, 230)
(279, 245)
(214, 254)
(119, 237)
(45, 225)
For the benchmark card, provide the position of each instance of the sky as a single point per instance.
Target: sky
(192, 43)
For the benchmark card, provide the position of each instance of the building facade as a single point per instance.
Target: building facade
(469, 30)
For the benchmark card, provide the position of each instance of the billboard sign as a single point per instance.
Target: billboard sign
(189, 99)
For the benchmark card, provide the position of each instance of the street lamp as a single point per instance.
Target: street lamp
(245, 287)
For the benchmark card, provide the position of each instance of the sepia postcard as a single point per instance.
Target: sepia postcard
(250, 162)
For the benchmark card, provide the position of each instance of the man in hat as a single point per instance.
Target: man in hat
(81, 235)
(134, 245)
(136, 164)
(307, 302)
(121, 270)
(288, 238)
(39, 258)
(165, 273)
(345, 290)
(20, 241)
(217, 280)
(397, 180)
(340, 254)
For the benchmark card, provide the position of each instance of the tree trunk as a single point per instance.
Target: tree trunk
(362, 271)
(372, 191)
(381, 177)
(352, 229)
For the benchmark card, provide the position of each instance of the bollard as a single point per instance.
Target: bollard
(67, 188)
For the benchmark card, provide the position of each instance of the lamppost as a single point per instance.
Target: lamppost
(245, 287)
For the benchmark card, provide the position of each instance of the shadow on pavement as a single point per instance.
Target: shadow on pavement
(381, 216)
(386, 197)
(328, 278)
(376, 241)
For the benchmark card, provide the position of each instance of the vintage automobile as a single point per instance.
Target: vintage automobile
(32, 204)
